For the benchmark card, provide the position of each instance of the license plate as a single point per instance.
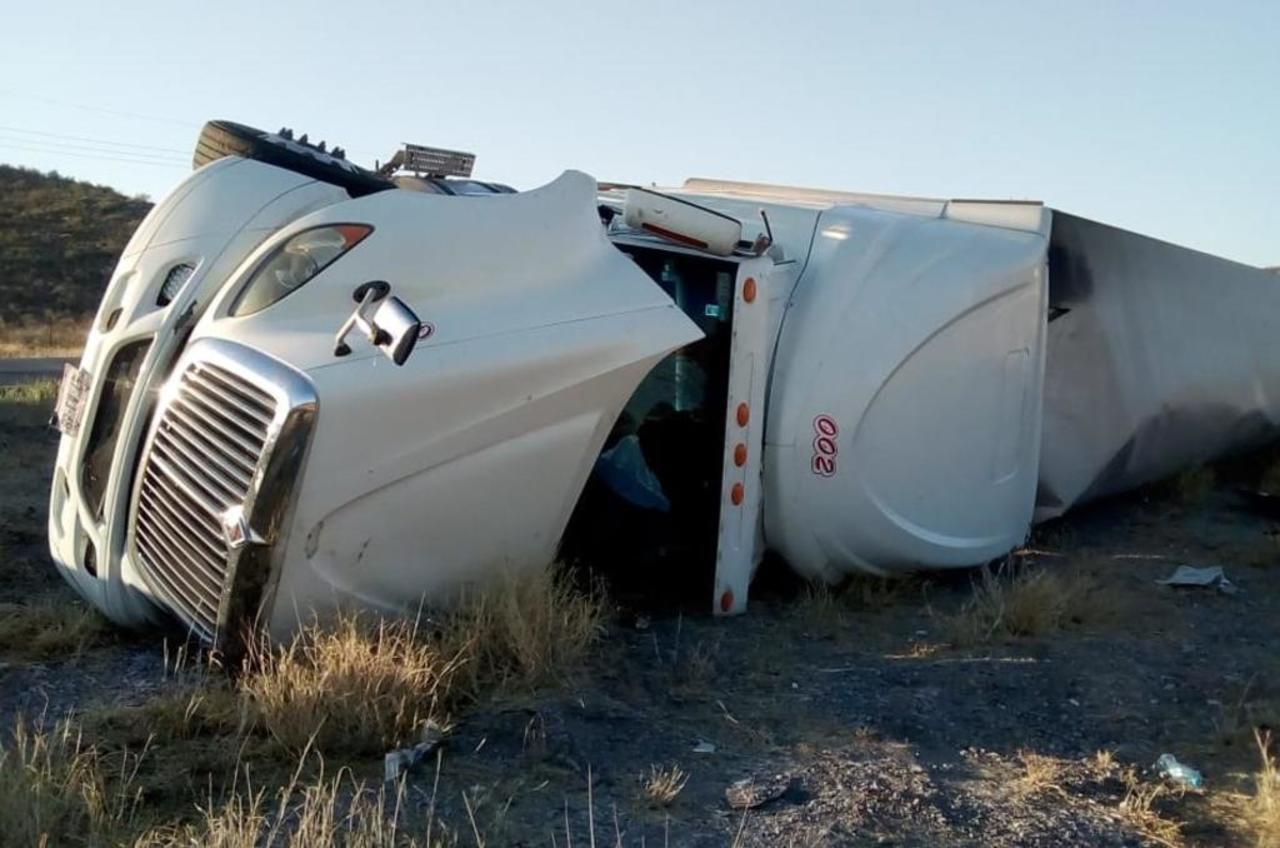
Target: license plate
(72, 395)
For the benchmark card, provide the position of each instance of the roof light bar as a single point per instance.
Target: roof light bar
(436, 162)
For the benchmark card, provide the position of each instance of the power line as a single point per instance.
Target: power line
(69, 105)
(161, 163)
(62, 147)
(93, 140)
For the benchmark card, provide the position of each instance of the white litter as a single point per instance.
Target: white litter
(401, 760)
(1187, 575)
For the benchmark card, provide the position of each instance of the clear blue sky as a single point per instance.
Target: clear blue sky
(1159, 116)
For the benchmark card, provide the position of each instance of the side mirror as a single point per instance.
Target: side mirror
(384, 320)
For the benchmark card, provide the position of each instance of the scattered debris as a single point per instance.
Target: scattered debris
(402, 760)
(704, 747)
(750, 793)
(1168, 766)
(1187, 575)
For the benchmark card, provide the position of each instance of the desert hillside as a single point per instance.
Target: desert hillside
(59, 240)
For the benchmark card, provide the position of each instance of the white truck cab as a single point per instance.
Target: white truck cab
(312, 387)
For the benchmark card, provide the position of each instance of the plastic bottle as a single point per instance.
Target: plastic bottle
(1168, 766)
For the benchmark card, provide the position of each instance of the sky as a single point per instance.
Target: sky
(1162, 117)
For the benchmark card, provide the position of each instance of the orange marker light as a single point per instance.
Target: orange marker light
(737, 493)
(726, 601)
(744, 414)
(740, 454)
(749, 290)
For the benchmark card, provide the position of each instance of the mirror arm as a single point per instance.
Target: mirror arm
(357, 319)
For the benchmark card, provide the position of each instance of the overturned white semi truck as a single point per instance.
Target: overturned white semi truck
(311, 386)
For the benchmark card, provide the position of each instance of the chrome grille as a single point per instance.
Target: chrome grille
(206, 447)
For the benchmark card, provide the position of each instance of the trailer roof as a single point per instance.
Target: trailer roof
(1012, 214)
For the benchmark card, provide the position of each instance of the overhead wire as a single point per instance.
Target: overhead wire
(100, 110)
(101, 141)
(60, 146)
(164, 163)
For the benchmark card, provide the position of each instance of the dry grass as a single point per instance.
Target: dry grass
(663, 784)
(55, 789)
(341, 812)
(826, 608)
(1265, 813)
(29, 403)
(820, 607)
(360, 686)
(49, 629)
(865, 591)
(42, 392)
(54, 337)
(525, 629)
(1040, 773)
(1016, 602)
(1253, 706)
(1141, 807)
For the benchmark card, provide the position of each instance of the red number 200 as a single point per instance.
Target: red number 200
(826, 435)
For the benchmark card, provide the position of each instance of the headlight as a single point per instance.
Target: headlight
(294, 263)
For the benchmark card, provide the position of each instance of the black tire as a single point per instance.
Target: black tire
(227, 138)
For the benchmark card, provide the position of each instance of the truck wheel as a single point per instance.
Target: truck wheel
(227, 138)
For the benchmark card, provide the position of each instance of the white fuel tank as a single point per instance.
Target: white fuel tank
(904, 415)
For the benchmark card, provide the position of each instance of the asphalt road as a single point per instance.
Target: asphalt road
(15, 371)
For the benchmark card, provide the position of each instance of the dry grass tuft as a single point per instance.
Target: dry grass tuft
(1040, 773)
(49, 629)
(1266, 794)
(821, 608)
(57, 790)
(825, 608)
(1140, 806)
(359, 686)
(363, 685)
(865, 591)
(525, 629)
(663, 784)
(1013, 602)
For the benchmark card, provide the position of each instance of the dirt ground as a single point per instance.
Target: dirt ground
(881, 714)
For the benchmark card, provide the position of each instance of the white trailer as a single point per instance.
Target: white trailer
(312, 387)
